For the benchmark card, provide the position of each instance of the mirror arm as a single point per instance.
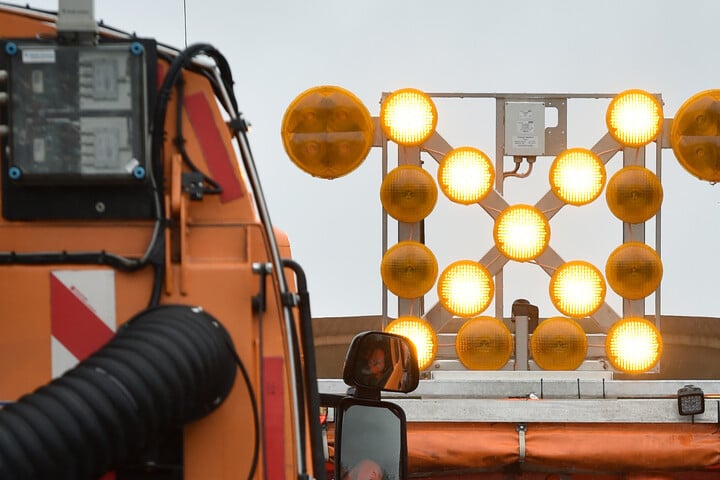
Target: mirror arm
(365, 393)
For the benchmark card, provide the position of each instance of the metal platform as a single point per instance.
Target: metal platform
(534, 396)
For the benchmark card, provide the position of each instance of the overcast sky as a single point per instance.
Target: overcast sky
(278, 49)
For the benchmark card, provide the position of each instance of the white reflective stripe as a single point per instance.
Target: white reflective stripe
(95, 290)
(62, 359)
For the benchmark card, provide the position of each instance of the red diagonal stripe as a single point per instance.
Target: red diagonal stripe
(274, 417)
(213, 147)
(74, 324)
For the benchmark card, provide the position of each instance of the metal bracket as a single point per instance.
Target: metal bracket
(521, 429)
(193, 184)
(259, 301)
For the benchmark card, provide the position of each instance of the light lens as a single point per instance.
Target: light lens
(484, 343)
(466, 175)
(634, 270)
(691, 400)
(421, 334)
(577, 176)
(695, 135)
(327, 132)
(409, 269)
(577, 289)
(634, 194)
(408, 116)
(633, 345)
(634, 118)
(558, 343)
(521, 232)
(408, 193)
(465, 288)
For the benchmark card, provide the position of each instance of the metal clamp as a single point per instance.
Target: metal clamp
(521, 429)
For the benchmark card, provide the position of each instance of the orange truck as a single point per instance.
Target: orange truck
(154, 325)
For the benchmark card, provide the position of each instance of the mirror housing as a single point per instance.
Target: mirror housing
(370, 440)
(381, 361)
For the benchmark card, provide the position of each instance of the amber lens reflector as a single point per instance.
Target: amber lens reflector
(465, 288)
(634, 194)
(409, 269)
(327, 131)
(558, 343)
(577, 176)
(634, 118)
(408, 116)
(466, 175)
(577, 289)
(521, 232)
(633, 345)
(484, 343)
(634, 270)
(695, 135)
(408, 193)
(421, 334)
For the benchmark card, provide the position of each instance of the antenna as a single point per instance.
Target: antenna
(185, 20)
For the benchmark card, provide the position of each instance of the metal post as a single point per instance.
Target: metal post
(525, 317)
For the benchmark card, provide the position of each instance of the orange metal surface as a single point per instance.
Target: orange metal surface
(491, 451)
(21, 26)
(212, 245)
(601, 449)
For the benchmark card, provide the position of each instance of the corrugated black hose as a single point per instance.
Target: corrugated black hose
(165, 367)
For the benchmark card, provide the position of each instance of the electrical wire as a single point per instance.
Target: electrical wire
(152, 253)
(180, 141)
(253, 406)
(223, 91)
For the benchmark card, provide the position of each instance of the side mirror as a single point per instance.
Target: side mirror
(370, 440)
(370, 434)
(381, 361)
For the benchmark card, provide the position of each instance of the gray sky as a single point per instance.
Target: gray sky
(277, 49)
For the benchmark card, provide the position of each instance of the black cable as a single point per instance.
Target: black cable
(310, 370)
(158, 280)
(254, 406)
(78, 258)
(119, 262)
(180, 141)
(171, 78)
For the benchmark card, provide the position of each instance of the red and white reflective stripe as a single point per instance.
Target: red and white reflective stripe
(82, 315)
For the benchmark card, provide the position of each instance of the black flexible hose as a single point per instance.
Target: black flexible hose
(167, 366)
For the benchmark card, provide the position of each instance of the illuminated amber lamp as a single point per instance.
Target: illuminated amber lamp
(634, 270)
(484, 343)
(466, 175)
(408, 117)
(558, 343)
(465, 288)
(634, 118)
(634, 194)
(633, 345)
(421, 334)
(695, 135)
(408, 193)
(409, 269)
(577, 289)
(521, 233)
(577, 176)
(327, 132)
